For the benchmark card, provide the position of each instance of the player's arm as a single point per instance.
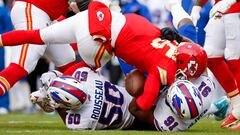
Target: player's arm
(150, 92)
(195, 14)
(144, 116)
(59, 33)
(63, 113)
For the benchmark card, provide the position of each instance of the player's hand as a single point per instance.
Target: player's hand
(221, 7)
(169, 34)
(133, 107)
(195, 14)
(73, 7)
(47, 77)
(42, 99)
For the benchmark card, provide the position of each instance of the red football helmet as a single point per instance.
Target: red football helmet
(191, 59)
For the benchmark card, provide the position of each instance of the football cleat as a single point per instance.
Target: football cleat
(41, 98)
(222, 105)
(230, 121)
(235, 127)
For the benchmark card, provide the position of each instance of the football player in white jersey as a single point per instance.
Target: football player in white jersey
(93, 101)
(184, 103)
(168, 116)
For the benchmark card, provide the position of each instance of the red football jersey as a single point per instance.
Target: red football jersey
(54, 8)
(144, 49)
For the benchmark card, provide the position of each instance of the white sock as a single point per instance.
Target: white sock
(236, 106)
(178, 14)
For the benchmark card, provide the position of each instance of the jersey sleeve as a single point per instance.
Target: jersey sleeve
(61, 32)
(151, 90)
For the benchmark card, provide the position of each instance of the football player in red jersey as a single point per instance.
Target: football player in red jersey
(30, 15)
(129, 37)
(222, 47)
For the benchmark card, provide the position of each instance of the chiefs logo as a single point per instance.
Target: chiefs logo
(100, 16)
(192, 67)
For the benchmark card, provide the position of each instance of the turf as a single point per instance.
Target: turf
(42, 124)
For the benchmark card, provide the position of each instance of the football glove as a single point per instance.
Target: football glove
(221, 7)
(169, 34)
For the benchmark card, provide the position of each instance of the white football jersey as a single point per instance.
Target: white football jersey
(107, 105)
(167, 120)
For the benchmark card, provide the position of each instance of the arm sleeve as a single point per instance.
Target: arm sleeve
(61, 32)
(151, 91)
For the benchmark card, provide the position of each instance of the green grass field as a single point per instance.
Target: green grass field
(42, 124)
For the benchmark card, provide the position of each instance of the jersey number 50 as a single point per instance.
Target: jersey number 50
(112, 105)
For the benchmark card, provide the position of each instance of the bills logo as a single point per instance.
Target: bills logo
(100, 16)
(192, 67)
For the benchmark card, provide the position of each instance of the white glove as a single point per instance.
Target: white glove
(114, 6)
(221, 6)
(41, 98)
(73, 6)
(168, 4)
(195, 14)
(47, 77)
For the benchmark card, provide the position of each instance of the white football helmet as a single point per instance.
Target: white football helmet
(185, 99)
(67, 92)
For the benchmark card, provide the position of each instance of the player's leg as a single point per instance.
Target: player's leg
(232, 55)
(188, 30)
(219, 108)
(24, 58)
(181, 19)
(214, 46)
(202, 22)
(63, 56)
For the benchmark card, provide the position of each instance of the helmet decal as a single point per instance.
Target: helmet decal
(191, 104)
(78, 93)
(177, 104)
(192, 67)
